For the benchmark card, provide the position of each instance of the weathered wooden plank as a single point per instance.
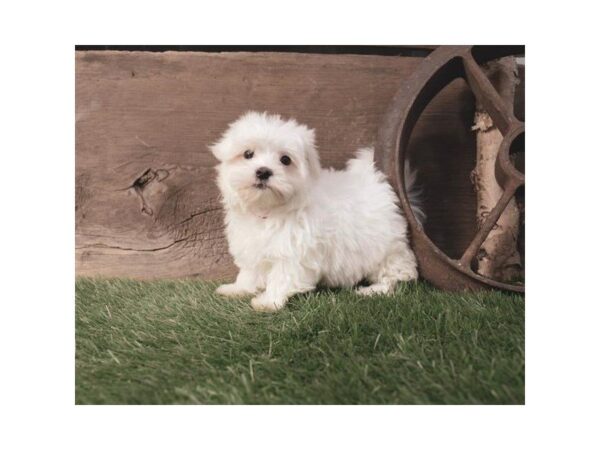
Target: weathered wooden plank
(146, 202)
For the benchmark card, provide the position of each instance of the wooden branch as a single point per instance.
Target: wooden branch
(498, 256)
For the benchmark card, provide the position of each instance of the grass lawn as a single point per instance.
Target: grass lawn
(177, 342)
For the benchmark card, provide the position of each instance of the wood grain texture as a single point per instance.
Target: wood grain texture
(146, 202)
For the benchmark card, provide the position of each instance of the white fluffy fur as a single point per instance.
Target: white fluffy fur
(308, 225)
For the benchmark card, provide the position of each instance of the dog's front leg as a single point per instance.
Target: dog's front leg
(284, 280)
(247, 282)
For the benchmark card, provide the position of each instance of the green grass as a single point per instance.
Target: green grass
(177, 342)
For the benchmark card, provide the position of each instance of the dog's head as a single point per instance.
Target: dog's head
(265, 162)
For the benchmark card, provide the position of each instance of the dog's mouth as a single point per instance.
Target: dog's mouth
(266, 192)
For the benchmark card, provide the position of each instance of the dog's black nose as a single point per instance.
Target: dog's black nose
(263, 173)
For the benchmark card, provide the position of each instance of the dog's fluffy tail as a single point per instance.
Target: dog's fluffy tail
(366, 154)
(364, 162)
(365, 158)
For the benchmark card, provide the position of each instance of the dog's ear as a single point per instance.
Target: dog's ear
(224, 148)
(312, 156)
(219, 148)
(214, 149)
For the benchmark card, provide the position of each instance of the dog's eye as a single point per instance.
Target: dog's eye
(248, 154)
(285, 160)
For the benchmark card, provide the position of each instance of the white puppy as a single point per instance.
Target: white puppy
(291, 224)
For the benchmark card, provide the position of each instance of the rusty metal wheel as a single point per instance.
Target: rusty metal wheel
(438, 70)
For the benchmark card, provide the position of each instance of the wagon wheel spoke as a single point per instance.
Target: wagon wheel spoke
(488, 224)
(500, 111)
(437, 71)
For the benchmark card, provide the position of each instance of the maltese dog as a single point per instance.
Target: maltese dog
(291, 225)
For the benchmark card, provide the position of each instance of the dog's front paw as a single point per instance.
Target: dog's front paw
(265, 304)
(231, 290)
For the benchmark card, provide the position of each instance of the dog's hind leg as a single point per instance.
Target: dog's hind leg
(399, 265)
(376, 288)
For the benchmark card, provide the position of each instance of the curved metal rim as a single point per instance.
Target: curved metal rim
(401, 119)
